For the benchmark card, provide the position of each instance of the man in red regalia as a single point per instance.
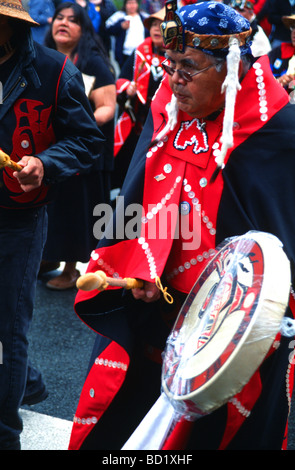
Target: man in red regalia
(139, 79)
(215, 160)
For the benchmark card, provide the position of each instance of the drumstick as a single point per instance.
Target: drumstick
(100, 281)
(5, 160)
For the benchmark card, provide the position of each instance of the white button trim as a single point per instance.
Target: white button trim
(261, 92)
(99, 361)
(85, 421)
(240, 407)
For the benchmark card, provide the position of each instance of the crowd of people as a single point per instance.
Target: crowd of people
(103, 96)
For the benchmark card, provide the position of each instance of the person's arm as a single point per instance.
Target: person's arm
(114, 23)
(104, 101)
(78, 140)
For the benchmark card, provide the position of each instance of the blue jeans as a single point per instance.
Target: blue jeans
(22, 238)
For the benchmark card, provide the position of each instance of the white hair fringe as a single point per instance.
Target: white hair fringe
(172, 111)
(230, 86)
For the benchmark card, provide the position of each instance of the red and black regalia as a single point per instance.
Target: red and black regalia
(279, 58)
(144, 69)
(255, 191)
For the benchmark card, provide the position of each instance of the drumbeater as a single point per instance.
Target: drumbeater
(100, 281)
(5, 161)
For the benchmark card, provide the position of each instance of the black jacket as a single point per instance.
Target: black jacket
(45, 113)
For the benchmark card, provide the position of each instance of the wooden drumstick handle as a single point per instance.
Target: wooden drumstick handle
(5, 160)
(100, 281)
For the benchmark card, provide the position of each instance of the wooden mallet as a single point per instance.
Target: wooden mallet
(5, 160)
(100, 281)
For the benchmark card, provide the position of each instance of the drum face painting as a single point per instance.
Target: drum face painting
(227, 324)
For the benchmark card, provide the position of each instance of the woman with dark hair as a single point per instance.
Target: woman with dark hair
(70, 229)
(88, 37)
(99, 11)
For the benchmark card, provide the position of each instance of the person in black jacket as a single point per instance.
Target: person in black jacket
(276, 10)
(128, 29)
(47, 127)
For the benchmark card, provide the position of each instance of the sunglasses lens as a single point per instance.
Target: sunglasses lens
(182, 73)
(185, 75)
(167, 68)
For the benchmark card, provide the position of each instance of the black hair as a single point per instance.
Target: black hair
(124, 5)
(89, 41)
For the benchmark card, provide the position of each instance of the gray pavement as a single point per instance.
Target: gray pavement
(60, 347)
(43, 432)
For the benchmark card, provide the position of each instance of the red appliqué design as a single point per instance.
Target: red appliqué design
(33, 133)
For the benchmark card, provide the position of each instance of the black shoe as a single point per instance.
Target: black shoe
(35, 397)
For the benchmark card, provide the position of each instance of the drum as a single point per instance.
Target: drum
(222, 334)
(227, 324)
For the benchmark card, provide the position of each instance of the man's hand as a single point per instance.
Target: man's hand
(125, 24)
(32, 174)
(285, 79)
(148, 293)
(131, 89)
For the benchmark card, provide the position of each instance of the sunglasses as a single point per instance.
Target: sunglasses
(187, 76)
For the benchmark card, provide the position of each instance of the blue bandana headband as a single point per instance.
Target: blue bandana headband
(207, 26)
